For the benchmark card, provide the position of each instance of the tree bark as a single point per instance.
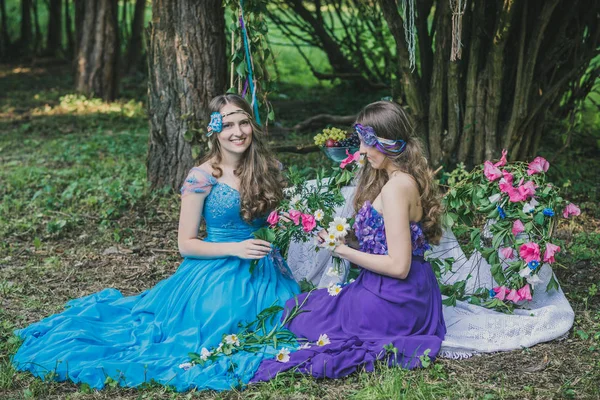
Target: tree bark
(134, 51)
(69, 30)
(4, 38)
(37, 42)
(187, 67)
(26, 34)
(54, 40)
(97, 56)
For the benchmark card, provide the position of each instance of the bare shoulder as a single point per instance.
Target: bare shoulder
(205, 167)
(401, 183)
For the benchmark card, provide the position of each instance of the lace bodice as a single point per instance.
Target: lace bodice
(221, 207)
(370, 232)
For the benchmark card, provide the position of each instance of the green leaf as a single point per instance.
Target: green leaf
(553, 284)
(271, 115)
(241, 68)
(264, 233)
(539, 218)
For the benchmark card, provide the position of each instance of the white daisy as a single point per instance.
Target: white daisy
(334, 289)
(323, 340)
(330, 244)
(361, 161)
(204, 354)
(339, 227)
(319, 214)
(333, 272)
(232, 339)
(186, 366)
(283, 355)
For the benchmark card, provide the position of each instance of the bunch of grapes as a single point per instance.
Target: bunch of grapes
(351, 140)
(333, 137)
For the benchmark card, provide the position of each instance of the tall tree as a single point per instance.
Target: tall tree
(37, 41)
(4, 38)
(54, 42)
(187, 66)
(97, 53)
(69, 29)
(520, 59)
(26, 33)
(134, 50)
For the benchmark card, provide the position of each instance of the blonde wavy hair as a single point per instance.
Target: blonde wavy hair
(390, 121)
(261, 180)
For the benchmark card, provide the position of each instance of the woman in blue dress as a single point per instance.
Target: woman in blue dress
(147, 337)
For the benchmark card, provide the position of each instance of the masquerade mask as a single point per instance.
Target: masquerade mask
(386, 146)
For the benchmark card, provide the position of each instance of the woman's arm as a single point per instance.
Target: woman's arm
(396, 197)
(190, 246)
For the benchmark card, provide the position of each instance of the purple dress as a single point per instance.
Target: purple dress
(368, 314)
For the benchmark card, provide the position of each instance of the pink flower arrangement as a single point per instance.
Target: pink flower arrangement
(571, 209)
(350, 159)
(530, 252)
(295, 216)
(551, 249)
(525, 292)
(538, 165)
(273, 218)
(491, 171)
(308, 222)
(517, 227)
(507, 253)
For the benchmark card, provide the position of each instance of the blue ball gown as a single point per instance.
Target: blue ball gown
(143, 338)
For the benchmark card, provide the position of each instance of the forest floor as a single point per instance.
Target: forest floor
(77, 216)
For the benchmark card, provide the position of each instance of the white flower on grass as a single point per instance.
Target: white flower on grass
(186, 366)
(319, 214)
(334, 289)
(533, 280)
(339, 227)
(304, 346)
(220, 348)
(232, 339)
(204, 354)
(323, 340)
(294, 200)
(495, 198)
(283, 355)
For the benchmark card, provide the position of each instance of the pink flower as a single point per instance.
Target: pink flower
(527, 190)
(513, 296)
(502, 161)
(539, 164)
(501, 292)
(571, 209)
(507, 252)
(530, 252)
(308, 222)
(350, 159)
(295, 216)
(273, 218)
(551, 249)
(525, 292)
(515, 195)
(506, 183)
(491, 171)
(518, 227)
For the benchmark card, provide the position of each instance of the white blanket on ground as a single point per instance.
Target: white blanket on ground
(471, 329)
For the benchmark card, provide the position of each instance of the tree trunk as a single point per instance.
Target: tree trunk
(123, 25)
(4, 38)
(69, 30)
(26, 35)
(54, 42)
(98, 49)
(187, 66)
(134, 52)
(37, 43)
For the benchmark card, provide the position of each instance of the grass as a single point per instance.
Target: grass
(77, 216)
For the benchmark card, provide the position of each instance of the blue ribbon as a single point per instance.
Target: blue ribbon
(250, 77)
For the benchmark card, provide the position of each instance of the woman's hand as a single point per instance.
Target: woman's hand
(322, 236)
(252, 249)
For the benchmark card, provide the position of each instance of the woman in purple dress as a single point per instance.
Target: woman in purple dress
(393, 310)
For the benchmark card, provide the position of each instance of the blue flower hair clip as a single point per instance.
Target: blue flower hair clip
(386, 146)
(215, 125)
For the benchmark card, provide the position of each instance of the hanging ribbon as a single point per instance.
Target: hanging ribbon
(249, 62)
(408, 20)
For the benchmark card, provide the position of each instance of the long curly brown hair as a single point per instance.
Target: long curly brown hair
(261, 180)
(390, 121)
